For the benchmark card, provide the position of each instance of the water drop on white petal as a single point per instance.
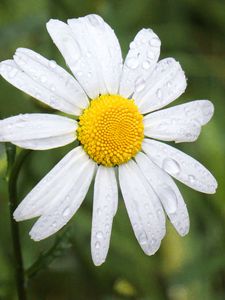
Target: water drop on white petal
(99, 235)
(99, 211)
(94, 20)
(191, 178)
(52, 88)
(132, 62)
(66, 212)
(169, 84)
(132, 45)
(140, 85)
(54, 224)
(155, 42)
(150, 54)
(168, 199)
(207, 110)
(43, 79)
(13, 73)
(52, 64)
(97, 245)
(146, 65)
(143, 238)
(159, 93)
(171, 166)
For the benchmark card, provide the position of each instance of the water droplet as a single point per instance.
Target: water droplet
(52, 88)
(155, 42)
(54, 224)
(191, 178)
(140, 84)
(150, 54)
(171, 166)
(88, 54)
(43, 79)
(69, 43)
(13, 73)
(159, 93)
(52, 64)
(99, 235)
(53, 102)
(97, 245)
(37, 95)
(153, 241)
(168, 199)
(94, 20)
(143, 240)
(132, 45)
(169, 84)
(132, 62)
(66, 212)
(146, 65)
(207, 110)
(99, 211)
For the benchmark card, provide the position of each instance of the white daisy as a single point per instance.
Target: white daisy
(116, 129)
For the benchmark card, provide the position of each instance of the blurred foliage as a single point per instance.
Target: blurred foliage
(184, 268)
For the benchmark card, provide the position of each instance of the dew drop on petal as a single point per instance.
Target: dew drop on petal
(97, 245)
(140, 84)
(43, 79)
(191, 178)
(132, 45)
(99, 235)
(150, 54)
(66, 212)
(168, 199)
(54, 224)
(159, 93)
(171, 166)
(155, 42)
(52, 64)
(13, 73)
(143, 238)
(132, 63)
(99, 211)
(146, 65)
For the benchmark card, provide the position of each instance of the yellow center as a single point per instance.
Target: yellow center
(111, 130)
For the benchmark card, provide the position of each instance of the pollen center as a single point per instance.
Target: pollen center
(111, 130)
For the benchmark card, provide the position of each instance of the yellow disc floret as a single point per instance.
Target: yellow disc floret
(111, 130)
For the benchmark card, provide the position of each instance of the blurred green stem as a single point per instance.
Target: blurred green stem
(61, 244)
(14, 167)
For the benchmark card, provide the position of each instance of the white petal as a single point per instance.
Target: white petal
(39, 199)
(181, 123)
(53, 77)
(167, 191)
(20, 79)
(140, 61)
(166, 83)
(140, 200)
(70, 194)
(104, 208)
(181, 166)
(92, 52)
(38, 131)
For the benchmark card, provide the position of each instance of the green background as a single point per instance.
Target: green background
(192, 267)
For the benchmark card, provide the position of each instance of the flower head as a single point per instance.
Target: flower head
(118, 127)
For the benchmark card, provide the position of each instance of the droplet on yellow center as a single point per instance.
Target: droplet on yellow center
(111, 130)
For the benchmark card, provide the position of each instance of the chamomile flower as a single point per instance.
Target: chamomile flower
(118, 127)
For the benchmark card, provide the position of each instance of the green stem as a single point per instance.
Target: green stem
(61, 244)
(14, 167)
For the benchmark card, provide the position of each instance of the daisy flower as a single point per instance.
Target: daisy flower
(118, 125)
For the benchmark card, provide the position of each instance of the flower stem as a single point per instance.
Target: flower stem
(14, 167)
